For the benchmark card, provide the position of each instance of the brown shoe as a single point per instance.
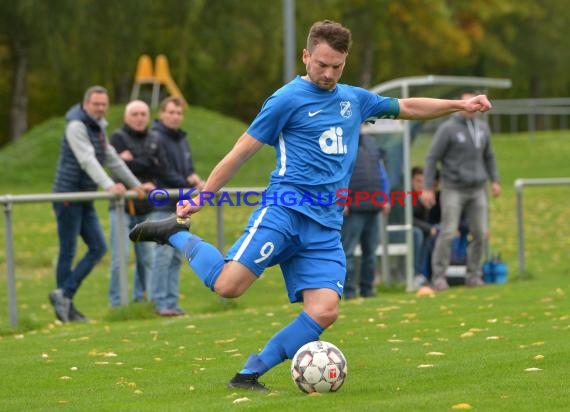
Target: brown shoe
(166, 312)
(474, 282)
(440, 284)
(170, 312)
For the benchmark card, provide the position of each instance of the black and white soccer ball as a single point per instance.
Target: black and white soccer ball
(319, 366)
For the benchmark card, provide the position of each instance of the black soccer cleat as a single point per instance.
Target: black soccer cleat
(159, 230)
(247, 381)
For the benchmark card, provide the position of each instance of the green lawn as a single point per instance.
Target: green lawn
(498, 348)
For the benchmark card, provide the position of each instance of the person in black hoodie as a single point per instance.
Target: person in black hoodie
(84, 152)
(164, 280)
(140, 150)
(426, 228)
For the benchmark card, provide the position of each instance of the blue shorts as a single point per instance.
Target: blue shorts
(310, 255)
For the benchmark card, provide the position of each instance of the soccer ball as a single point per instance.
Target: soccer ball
(318, 366)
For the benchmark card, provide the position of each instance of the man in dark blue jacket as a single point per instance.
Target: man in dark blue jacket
(84, 152)
(164, 280)
(362, 216)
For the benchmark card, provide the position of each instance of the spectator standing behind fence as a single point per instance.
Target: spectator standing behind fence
(164, 280)
(361, 223)
(84, 151)
(139, 149)
(313, 123)
(462, 144)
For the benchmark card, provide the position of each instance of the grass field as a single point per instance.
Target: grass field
(499, 348)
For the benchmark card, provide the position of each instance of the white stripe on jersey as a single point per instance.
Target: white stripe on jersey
(283, 154)
(252, 231)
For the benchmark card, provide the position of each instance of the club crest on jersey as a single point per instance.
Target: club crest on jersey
(345, 109)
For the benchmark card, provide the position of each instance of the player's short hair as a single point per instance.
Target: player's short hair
(334, 34)
(417, 170)
(92, 90)
(175, 100)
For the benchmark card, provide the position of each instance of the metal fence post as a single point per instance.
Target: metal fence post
(219, 224)
(122, 245)
(11, 277)
(520, 226)
(386, 277)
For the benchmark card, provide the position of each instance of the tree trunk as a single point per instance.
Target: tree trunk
(19, 98)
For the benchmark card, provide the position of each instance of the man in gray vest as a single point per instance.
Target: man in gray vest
(84, 151)
(462, 145)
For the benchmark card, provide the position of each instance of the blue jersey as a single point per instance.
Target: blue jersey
(315, 135)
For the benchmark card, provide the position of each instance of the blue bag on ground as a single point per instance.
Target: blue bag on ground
(495, 270)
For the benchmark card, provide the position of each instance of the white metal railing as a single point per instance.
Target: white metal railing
(9, 200)
(519, 186)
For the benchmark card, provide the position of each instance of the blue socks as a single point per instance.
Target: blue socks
(204, 259)
(207, 262)
(284, 344)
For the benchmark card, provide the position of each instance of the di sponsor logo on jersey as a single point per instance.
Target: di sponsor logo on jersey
(331, 141)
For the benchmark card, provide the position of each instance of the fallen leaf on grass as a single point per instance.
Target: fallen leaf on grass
(240, 400)
(539, 357)
(435, 354)
(532, 369)
(493, 338)
(222, 341)
(425, 366)
(462, 406)
(65, 378)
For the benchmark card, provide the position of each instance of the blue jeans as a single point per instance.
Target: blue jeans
(360, 228)
(77, 219)
(165, 275)
(144, 257)
(423, 245)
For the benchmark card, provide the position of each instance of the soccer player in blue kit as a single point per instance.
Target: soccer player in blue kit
(313, 123)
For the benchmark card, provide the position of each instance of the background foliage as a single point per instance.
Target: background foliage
(226, 55)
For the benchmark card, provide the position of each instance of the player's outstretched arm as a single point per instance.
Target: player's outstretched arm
(245, 147)
(420, 108)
